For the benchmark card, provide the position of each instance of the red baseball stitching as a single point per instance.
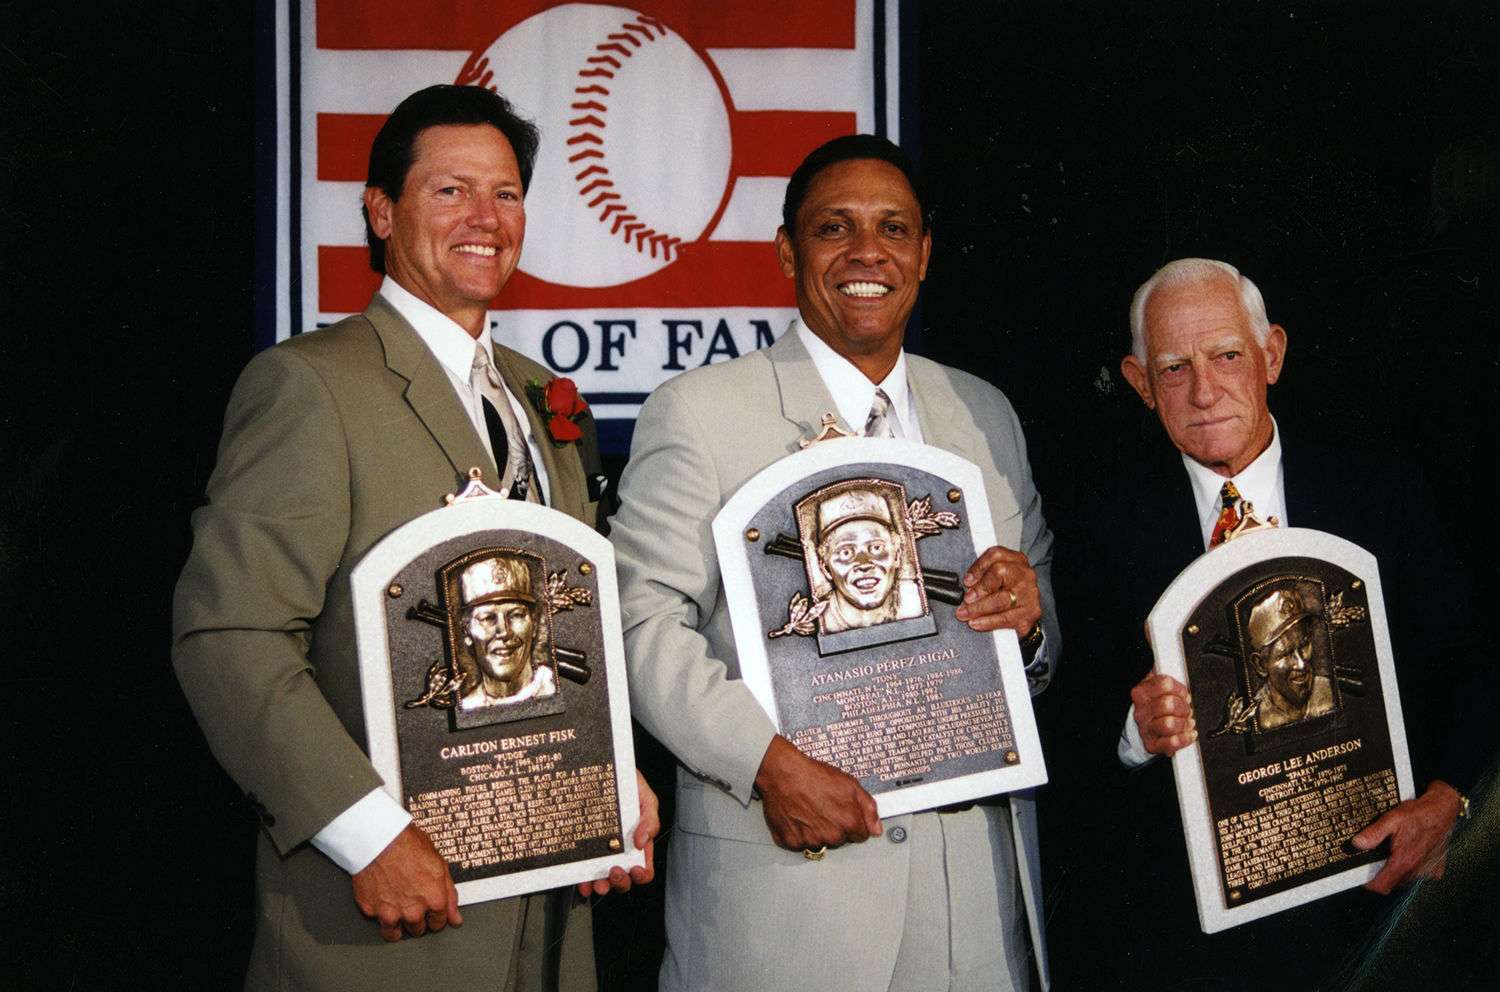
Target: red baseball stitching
(586, 142)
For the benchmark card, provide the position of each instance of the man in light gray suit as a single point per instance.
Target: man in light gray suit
(332, 440)
(944, 899)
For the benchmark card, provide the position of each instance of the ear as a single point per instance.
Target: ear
(1258, 663)
(378, 206)
(785, 253)
(1275, 351)
(823, 567)
(926, 254)
(1135, 374)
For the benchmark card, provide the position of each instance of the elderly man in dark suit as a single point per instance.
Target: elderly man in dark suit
(333, 439)
(1204, 356)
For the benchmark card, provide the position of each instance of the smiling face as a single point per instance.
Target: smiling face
(500, 636)
(1205, 375)
(1287, 667)
(454, 236)
(858, 256)
(859, 557)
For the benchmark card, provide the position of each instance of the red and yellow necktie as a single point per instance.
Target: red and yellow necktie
(1229, 516)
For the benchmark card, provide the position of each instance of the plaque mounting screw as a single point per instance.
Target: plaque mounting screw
(585, 568)
(1192, 630)
(614, 843)
(1011, 757)
(395, 590)
(1357, 584)
(752, 535)
(954, 495)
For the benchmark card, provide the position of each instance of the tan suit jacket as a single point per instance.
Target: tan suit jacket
(331, 440)
(741, 912)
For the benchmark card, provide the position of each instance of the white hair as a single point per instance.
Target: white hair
(1187, 271)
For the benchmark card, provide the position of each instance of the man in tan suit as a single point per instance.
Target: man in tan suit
(767, 839)
(332, 439)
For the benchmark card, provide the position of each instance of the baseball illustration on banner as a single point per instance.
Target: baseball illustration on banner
(618, 193)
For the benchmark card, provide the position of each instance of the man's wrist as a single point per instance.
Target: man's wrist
(356, 836)
(1031, 643)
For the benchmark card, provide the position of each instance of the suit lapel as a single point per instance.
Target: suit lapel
(567, 489)
(1314, 496)
(1163, 516)
(429, 392)
(943, 416)
(804, 395)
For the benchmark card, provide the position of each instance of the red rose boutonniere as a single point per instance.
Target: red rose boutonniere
(560, 403)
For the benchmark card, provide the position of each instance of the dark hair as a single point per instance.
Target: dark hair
(844, 149)
(395, 144)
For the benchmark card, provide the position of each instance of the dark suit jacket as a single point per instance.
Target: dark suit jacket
(332, 439)
(1125, 904)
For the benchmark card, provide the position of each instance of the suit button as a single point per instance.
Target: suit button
(268, 819)
(896, 834)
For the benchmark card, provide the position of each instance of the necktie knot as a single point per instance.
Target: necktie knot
(483, 369)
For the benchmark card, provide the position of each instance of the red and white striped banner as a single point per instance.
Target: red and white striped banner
(668, 131)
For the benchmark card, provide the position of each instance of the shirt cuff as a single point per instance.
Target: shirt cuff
(354, 837)
(1131, 749)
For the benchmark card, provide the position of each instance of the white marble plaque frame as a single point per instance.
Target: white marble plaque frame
(1164, 630)
(735, 551)
(371, 579)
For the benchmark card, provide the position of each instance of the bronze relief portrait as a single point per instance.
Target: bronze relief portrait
(1288, 674)
(860, 555)
(496, 608)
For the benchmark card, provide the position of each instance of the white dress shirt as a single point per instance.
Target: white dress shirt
(1261, 483)
(354, 837)
(452, 346)
(853, 393)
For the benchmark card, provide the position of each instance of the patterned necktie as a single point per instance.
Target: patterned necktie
(1229, 516)
(879, 423)
(507, 440)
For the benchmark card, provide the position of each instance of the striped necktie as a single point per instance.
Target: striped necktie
(507, 440)
(879, 423)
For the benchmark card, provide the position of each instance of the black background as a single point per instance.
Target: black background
(1342, 154)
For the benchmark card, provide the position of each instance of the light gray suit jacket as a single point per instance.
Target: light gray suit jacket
(331, 440)
(743, 913)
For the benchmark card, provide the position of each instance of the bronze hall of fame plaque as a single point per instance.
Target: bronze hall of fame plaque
(496, 710)
(842, 565)
(1281, 638)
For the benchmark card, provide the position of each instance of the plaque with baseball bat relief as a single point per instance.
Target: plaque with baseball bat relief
(496, 710)
(842, 565)
(1281, 639)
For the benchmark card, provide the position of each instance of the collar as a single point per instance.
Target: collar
(852, 392)
(1259, 482)
(448, 342)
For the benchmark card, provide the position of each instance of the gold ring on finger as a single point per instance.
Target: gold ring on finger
(1013, 599)
(816, 855)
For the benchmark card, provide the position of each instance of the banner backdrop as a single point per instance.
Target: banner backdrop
(668, 131)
